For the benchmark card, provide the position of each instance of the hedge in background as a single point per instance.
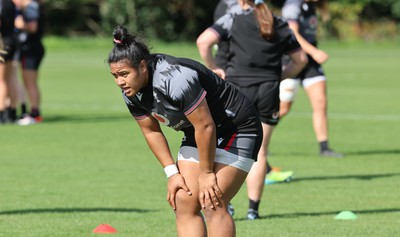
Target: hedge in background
(186, 19)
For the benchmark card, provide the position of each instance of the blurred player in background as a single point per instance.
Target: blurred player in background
(303, 20)
(257, 43)
(30, 25)
(222, 56)
(8, 47)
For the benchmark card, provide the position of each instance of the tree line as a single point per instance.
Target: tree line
(186, 19)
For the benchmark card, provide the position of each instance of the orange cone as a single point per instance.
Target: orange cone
(104, 228)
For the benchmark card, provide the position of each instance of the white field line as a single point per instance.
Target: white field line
(335, 116)
(344, 116)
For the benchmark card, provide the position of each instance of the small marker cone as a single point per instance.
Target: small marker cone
(346, 215)
(104, 228)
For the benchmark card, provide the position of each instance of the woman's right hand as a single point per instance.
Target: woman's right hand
(320, 56)
(175, 183)
(220, 72)
(19, 22)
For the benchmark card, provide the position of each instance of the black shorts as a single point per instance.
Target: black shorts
(10, 46)
(243, 138)
(312, 69)
(265, 97)
(31, 56)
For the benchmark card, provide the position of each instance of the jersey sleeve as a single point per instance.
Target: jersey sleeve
(31, 13)
(223, 26)
(291, 10)
(186, 91)
(292, 45)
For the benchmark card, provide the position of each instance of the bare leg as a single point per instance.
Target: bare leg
(3, 87)
(318, 99)
(14, 87)
(219, 221)
(189, 221)
(31, 85)
(256, 177)
(284, 108)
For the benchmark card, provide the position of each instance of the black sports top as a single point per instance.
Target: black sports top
(7, 13)
(254, 59)
(177, 86)
(304, 13)
(32, 12)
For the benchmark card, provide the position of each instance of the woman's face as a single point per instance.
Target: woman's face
(128, 78)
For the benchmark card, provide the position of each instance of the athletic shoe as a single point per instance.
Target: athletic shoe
(279, 177)
(38, 119)
(252, 214)
(11, 115)
(231, 210)
(27, 119)
(330, 153)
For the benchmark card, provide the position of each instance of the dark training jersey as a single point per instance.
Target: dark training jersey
(7, 14)
(222, 54)
(32, 12)
(305, 15)
(254, 59)
(177, 86)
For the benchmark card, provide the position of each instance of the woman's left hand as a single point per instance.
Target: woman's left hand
(209, 192)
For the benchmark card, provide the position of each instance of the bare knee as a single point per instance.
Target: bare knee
(284, 108)
(186, 205)
(220, 212)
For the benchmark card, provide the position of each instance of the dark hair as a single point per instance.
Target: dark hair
(264, 17)
(128, 47)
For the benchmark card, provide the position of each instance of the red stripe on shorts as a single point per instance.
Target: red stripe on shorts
(228, 146)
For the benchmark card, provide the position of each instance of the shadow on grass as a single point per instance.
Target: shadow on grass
(374, 152)
(71, 210)
(365, 177)
(393, 151)
(84, 118)
(333, 213)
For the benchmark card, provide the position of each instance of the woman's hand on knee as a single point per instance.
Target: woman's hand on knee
(209, 191)
(175, 183)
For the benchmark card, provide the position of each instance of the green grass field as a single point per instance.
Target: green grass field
(87, 163)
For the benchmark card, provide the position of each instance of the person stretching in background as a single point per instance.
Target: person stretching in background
(30, 26)
(302, 19)
(257, 43)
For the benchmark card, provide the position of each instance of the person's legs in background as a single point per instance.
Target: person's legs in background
(30, 62)
(316, 91)
(255, 178)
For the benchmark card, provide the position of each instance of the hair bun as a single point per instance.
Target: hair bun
(119, 34)
(117, 41)
(122, 36)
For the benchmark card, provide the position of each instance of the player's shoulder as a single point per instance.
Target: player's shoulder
(292, 9)
(33, 5)
(171, 73)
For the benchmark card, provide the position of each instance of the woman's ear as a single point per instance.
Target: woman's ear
(143, 67)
